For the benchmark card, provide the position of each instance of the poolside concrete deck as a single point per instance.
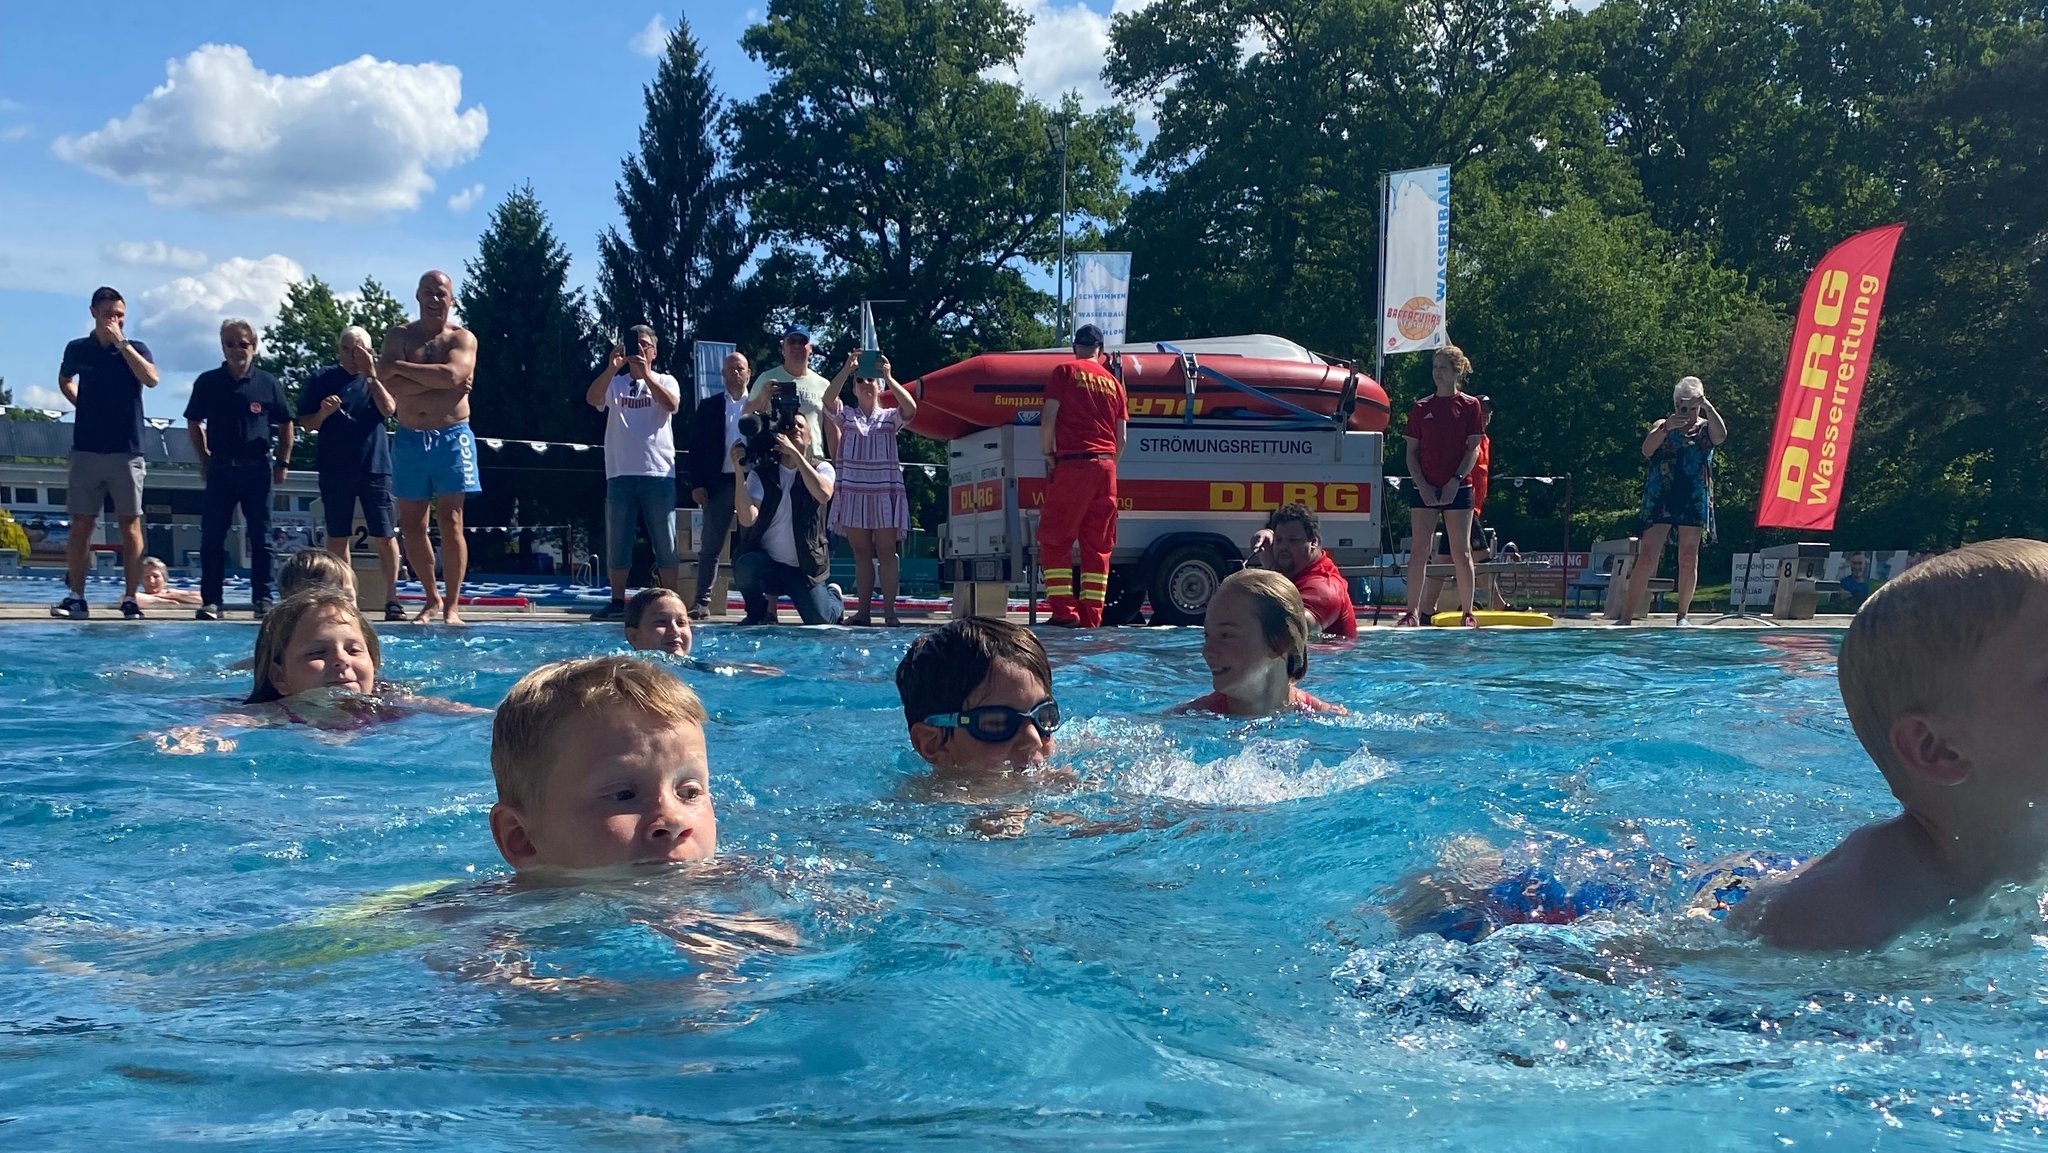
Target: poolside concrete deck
(110, 614)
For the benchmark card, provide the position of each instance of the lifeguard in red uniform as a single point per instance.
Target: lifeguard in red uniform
(1082, 434)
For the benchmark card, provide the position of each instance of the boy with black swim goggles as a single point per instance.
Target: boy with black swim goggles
(986, 679)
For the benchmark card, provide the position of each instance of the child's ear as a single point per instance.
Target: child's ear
(930, 743)
(508, 829)
(1921, 746)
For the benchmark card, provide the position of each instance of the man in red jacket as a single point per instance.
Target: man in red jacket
(1291, 544)
(1081, 433)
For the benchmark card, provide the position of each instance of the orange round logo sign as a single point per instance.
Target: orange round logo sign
(1417, 318)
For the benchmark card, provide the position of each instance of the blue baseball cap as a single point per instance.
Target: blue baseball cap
(796, 330)
(1088, 334)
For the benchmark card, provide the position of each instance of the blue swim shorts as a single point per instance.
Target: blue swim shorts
(436, 463)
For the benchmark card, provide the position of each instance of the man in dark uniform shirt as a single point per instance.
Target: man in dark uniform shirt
(103, 376)
(233, 411)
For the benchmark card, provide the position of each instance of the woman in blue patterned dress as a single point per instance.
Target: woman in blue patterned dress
(1679, 492)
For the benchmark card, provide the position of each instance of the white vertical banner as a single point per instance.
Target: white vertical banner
(1102, 293)
(709, 358)
(1417, 260)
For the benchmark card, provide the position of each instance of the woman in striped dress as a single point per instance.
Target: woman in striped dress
(869, 506)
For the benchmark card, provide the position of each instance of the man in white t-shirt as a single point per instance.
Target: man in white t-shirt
(781, 548)
(639, 462)
(795, 369)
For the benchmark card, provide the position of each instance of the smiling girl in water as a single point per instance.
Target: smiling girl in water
(1256, 644)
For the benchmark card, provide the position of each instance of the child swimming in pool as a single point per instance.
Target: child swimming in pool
(318, 658)
(315, 568)
(1944, 674)
(156, 591)
(600, 763)
(977, 696)
(1256, 644)
(657, 621)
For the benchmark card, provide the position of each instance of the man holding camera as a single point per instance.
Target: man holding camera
(794, 375)
(779, 501)
(639, 461)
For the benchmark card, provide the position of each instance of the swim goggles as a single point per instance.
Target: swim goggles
(998, 723)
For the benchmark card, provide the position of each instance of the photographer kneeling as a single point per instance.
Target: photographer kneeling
(780, 504)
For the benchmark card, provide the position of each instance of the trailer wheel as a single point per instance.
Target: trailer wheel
(1125, 604)
(1183, 582)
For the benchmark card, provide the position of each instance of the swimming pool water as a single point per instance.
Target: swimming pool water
(194, 953)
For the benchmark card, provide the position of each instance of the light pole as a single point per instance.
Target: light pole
(1056, 135)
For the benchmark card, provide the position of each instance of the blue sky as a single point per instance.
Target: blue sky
(200, 155)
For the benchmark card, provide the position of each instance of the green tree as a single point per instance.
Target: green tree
(302, 340)
(1578, 323)
(883, 162)
(1276, 118)
(536, 354)
(677, 266)
(1952, 437)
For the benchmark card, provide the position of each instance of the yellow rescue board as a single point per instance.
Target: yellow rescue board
(1492, 620)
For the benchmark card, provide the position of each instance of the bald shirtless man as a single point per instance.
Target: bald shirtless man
(428, 366)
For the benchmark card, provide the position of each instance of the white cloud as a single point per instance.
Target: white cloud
(461, 201)
(154, 254)
(1064, 50)
(221, 134)
(15, 132)
(41, 396)
(652, 40)
(180, 321)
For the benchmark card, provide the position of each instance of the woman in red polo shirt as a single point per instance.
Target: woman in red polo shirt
(1443, 435)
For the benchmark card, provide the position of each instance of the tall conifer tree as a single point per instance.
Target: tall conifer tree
(676, 267)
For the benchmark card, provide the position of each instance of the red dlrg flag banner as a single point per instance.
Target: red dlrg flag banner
(1823, 386)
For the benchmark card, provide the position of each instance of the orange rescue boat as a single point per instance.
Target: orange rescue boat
(1281, 381)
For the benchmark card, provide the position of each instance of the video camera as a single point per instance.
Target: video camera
(759, 429)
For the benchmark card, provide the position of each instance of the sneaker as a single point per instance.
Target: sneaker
(260, 608)
(1681, 623)
(700, 611)
(393, 611)
(73, 608)
(612, 611)
(130, 610)
(207, 613)
(838, 594)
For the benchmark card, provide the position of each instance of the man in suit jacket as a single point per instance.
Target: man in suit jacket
(713, 432)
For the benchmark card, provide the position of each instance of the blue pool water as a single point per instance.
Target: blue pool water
(192, 956)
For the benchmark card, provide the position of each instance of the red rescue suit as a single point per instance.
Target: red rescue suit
(1080, 488)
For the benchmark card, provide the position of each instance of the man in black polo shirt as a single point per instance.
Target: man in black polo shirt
(232, 413)
(103, 376)
(347, 405)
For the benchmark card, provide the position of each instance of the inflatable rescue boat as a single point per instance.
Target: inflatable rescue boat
(1234, 378)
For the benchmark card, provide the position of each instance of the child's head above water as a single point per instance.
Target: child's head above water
(156, 576)
(977, 695)
(600, 763)
(1255, 639)
(315, 639)
(315, 568)
(1943, 673)
(657, 620)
